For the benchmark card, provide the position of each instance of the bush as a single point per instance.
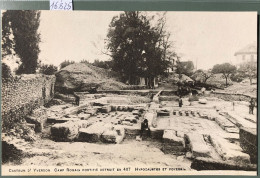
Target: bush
(6, 72)
(237, 77)
(103, 64)
(66, 63)
(48, 69)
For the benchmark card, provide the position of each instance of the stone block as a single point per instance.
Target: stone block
(130, 108)
(131, 119)
(55, 119)
(232, 129)
(169, 137)
(202, 101)
(128, 123)
(135, 112)
(83, 116)
(92, 133)
(163, 113)
(212, 164)
(231, 137)
(32, 126)
(249, 149)
(156, 133)
(172, 144)
(38, 124)
(91, 111)
(248, 134)
(229, 151)
(132, 132)
(223, 122)
(176, 150)
(197, 144)
(113, 108)
(64, 131)
(109, 136)
(248, 142)
(105, 109)
(237, 157)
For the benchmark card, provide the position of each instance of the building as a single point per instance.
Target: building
(246, 54)
(173, 64)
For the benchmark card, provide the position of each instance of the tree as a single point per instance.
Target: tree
(48, 69)
(248, 69)
(66, 63)
(225, 69)
(6, 72)
(103, 64)
(203, 75)
(23, 26)
(135, 48)
(186, 68)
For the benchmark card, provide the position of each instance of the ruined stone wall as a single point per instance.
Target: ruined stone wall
(231, 97)
(23, 94)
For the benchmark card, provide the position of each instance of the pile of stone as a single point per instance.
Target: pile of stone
(101, 132)
(67, 131)
(23, 131)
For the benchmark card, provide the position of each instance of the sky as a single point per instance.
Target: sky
(206, 38)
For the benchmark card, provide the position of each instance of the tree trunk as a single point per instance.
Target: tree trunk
(250, 79)
(226, 81)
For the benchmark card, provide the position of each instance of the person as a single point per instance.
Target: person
(251, 106)
(145, 126)
(180, 102)
(203, 89)
(77, 98)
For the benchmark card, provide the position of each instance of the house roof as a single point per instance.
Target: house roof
(249, 49)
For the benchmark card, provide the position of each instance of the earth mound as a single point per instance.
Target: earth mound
(81, 77)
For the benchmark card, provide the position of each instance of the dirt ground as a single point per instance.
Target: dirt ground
(130, 153)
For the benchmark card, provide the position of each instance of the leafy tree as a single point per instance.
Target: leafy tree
(23, 26)
(48, 69)
(225, 69)
(135, 48)
(248, 69)
(6, 72)
(237, 76)
(84, 61)
(203, 75)
(186, 68)
(103, 64)
(66, 63)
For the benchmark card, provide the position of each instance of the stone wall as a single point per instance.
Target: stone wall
(23, 94)
(231, 96)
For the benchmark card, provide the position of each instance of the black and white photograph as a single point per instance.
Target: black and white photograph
(129, 92)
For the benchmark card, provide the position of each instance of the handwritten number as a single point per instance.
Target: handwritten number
(52, 5)
(59, 5)
(69, 5)
(56, 5)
